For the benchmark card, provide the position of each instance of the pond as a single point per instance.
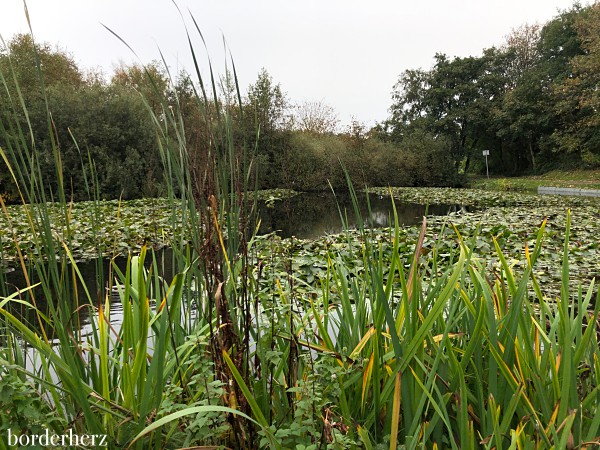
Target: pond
(305, 216)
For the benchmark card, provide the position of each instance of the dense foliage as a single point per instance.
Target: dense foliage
(103, 128)
(533, 102)
(99, 127)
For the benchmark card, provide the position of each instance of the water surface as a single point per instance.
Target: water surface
(312, 215)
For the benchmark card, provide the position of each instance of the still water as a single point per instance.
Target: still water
(312, 215)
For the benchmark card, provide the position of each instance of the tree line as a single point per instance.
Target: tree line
(533, 101)
(105, 129)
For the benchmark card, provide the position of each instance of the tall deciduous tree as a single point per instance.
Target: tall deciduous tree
(453, 100)
(34, 63)
(267, 103)
(522, 46)
(315, 117)
(266, 112)
(578, 95)
(151, 81)
(521, 116)
(559, 43)
(28, 71)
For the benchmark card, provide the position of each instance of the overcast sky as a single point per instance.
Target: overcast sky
(346, 53)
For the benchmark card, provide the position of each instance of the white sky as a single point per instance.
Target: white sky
(346, 53)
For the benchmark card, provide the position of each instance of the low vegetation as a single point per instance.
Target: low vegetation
(118, 228)
(354, 343)
(581, 179)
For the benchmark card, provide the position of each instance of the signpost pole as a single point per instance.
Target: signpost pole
(487, 170)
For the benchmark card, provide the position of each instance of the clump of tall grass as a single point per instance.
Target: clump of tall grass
(112, 380)
(407, 352)
(466, 358)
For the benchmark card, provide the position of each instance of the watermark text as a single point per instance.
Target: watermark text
(48, 439)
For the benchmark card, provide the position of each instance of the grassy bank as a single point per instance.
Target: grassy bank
(582, 179)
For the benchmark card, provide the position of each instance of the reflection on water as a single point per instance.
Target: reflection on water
(309, 216)
(95, 275)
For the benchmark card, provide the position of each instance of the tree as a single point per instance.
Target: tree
(454, 100)
(35, 63)
(559, 43)
(315, 117)
(267, 103)
(228, 90)
(529, 121)
(114, 125)
(29, 70)
(521, 122)
(523, 53)
(578, 95)
(520, 117)
(110, 121)
(265, 116)
(536, 98)
(409, 105)
(150, 81)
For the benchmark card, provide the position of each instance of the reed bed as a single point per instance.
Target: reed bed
(232, 352)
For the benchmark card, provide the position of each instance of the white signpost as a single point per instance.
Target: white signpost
(486, 153)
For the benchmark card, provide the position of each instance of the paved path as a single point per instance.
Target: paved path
(568, 191)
